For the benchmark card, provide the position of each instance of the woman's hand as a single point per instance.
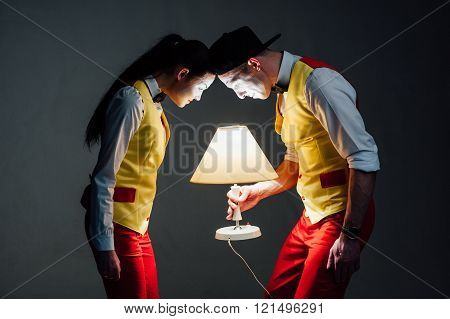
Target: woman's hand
(108, 264)
(249, 197)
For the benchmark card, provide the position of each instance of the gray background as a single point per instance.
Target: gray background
(48, 93)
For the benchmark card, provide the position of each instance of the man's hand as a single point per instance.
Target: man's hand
(249, 197)
(344, 258)
(108, 264)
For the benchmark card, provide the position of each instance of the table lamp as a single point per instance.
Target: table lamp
(234, 157)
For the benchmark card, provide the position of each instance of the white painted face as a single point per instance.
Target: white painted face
(186, 91)
(199, 86)
(246, 84)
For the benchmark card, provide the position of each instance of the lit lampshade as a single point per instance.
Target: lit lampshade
(234, 156)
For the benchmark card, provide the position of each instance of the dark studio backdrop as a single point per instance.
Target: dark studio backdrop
(48, 92)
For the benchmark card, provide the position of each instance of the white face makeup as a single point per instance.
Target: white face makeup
(184, 92)
(245, 84)
(199, 87)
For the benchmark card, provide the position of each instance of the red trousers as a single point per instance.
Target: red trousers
(138, 276)
(300, 271)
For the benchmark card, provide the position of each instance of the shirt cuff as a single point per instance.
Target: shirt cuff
(290, 157)
(291, 153)
(103, 242)
(365, 161)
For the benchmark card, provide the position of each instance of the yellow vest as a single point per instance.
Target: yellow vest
(323, 173)
(138, 169)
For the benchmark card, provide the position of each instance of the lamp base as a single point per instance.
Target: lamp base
(234, 233)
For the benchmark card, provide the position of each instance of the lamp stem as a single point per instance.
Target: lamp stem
(236, 190)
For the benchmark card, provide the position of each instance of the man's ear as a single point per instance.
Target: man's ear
(182, 73)
(254, 63)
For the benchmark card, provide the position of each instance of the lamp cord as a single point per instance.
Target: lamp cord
(246, 264)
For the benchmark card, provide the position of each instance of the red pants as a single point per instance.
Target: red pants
(300, 271)
(138, 276)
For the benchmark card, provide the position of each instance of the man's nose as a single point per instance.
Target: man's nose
(240, 95)
(198, 97)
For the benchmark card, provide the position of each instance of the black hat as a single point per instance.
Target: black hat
(234, 48)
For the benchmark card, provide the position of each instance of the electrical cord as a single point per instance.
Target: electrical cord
(246, 264)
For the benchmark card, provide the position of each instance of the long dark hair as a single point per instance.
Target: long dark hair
(170, 52)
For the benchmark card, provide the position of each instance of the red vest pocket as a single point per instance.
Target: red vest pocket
(334, 178)
(124, 194)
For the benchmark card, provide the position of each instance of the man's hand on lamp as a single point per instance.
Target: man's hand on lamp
(249, 197)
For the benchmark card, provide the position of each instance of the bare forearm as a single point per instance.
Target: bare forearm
(360, 191)
(287, 178)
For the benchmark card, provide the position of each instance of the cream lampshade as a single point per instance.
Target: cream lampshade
(234, 156)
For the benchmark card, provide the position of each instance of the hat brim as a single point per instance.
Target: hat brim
(266, 44)
(271, 40)
(227, 64)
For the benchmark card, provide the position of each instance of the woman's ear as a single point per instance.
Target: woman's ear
(254, 63)
(182, 73)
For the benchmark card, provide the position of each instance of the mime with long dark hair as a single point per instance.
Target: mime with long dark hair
(130, 125)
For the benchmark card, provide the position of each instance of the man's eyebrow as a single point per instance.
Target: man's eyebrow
(226, 82)
(229, 80)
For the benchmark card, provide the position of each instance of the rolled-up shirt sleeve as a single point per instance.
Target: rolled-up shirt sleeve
(123, 118)
(332, 100)
(291, 153)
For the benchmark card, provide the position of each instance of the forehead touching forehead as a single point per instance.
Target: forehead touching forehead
(208, 79)
(205, 79)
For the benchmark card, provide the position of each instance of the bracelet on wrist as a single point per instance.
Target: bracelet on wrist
(351, 232)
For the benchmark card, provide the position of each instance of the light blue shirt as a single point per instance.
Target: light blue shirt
(332, 100)
(123, 118)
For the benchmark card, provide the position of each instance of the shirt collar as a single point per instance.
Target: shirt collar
(155, 91)
(284, 74)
